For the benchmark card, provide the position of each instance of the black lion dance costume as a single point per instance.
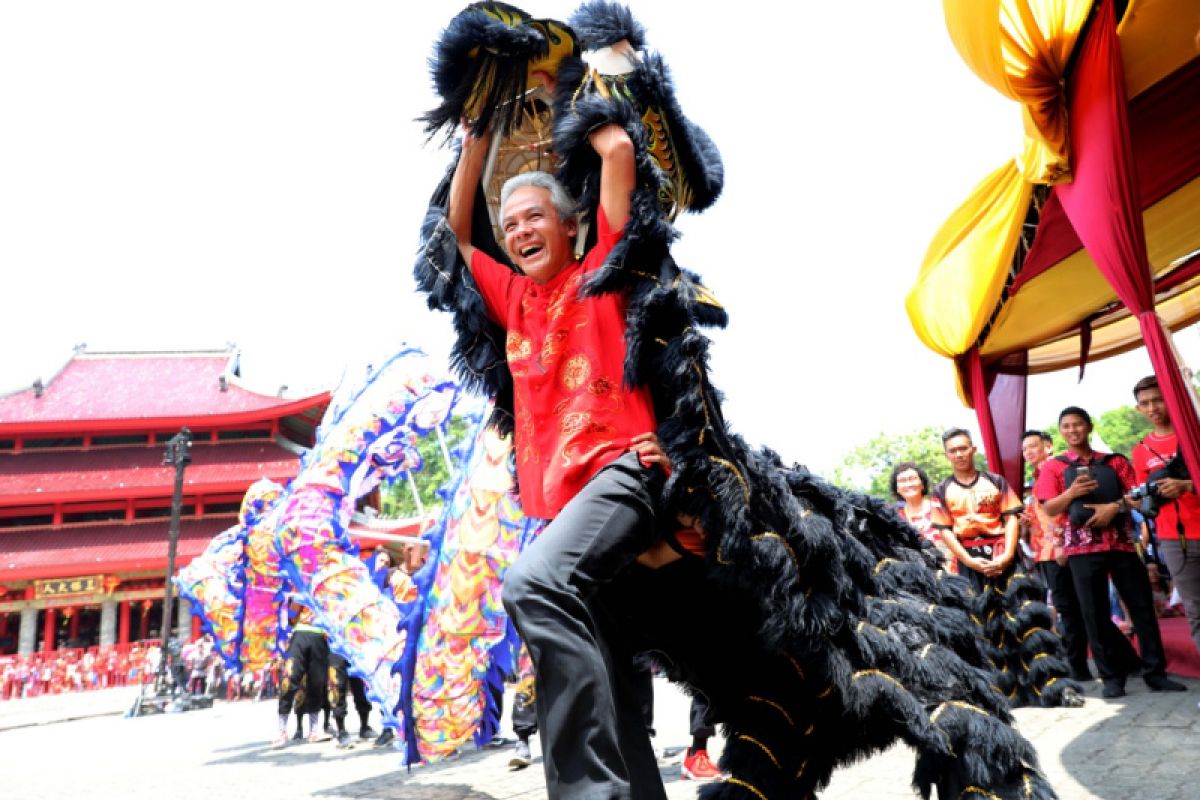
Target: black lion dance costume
(839, 633)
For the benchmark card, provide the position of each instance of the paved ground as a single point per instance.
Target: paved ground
(1149, 743)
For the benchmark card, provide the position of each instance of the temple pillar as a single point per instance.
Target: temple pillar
(73, 630)
(49, 640)
(108, 623)
(184, 618)
(27, 633)
(124, 629)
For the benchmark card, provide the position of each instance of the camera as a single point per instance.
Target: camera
(1149, 500)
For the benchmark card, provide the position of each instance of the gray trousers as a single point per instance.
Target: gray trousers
(594, 740)
(1185, 575)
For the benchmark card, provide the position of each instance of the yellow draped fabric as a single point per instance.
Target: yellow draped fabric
(1049, 308)
(1021, 49)
(967, 263)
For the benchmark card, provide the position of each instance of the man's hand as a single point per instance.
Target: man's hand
(609, 139)
(1172, 488)
(1102, 514)
(649, 451)
(976, 564)
(996, 566)
(1082, 486)
(474, 148)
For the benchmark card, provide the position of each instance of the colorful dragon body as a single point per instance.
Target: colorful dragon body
(295, 539)
(216, 583)
(466, 642)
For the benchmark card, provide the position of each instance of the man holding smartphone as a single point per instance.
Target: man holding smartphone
(1090, 487)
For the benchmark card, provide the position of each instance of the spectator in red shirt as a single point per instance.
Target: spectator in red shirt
(1102, 548)
(1045, 538)
(587, 459)
(1178, 522)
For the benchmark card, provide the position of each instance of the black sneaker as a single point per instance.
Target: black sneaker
(344, 741)
(1161, 683)
(385, 738)
(298, 736)
(367, 732)
(1113, 688)
(328, 729)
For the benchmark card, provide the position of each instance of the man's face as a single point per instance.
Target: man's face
(537, 239)
(1034, 450)
(1152, 406)
(961, 453)
(1075, 429)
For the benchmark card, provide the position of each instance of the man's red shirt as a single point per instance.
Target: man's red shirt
(566, 353)
(1051, 482)
(1149, 454)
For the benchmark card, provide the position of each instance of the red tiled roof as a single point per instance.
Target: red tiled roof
(106, 548)
(129, 390)
(39, 477)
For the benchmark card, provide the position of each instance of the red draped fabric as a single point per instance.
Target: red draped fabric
(1104, 208)
(1000, 388)
(1163, 122)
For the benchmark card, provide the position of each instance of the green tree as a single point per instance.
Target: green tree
(396, 500)
(868, 467)
(1122, 428)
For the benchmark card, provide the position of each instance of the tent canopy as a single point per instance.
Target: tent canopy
(1006, 272)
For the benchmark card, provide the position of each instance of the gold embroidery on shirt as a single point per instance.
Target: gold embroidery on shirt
(575, 372)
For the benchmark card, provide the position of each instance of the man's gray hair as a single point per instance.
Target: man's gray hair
(543, 180)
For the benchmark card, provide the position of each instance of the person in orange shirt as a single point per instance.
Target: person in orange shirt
(977, 517)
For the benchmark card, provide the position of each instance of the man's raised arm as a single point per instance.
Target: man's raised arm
(462, 189)
(617, 172)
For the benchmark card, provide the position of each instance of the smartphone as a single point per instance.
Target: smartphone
(1083, 472)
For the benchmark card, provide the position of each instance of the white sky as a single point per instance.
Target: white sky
(181, 175)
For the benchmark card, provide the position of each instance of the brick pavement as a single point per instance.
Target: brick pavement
(1148, 741)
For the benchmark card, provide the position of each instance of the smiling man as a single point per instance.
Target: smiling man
(977, 513)
(1178, 523)
(587, 459)
(1090, 488)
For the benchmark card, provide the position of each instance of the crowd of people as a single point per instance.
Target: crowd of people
(78, 669)
(197, 670)
(1101, 530)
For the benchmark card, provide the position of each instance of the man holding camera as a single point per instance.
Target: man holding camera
(1173, 494)
(1091, 489)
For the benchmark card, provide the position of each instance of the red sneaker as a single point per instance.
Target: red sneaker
(697, 766)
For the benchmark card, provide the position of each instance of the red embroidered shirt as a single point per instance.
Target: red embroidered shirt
(1051, 482)
(566, 353)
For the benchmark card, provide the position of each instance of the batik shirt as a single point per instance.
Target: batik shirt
(574, 414)
(1051, 482)
(975, 512)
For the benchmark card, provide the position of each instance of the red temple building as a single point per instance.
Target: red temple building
(85, 497)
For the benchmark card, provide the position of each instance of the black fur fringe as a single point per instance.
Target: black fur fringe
(840, 634)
